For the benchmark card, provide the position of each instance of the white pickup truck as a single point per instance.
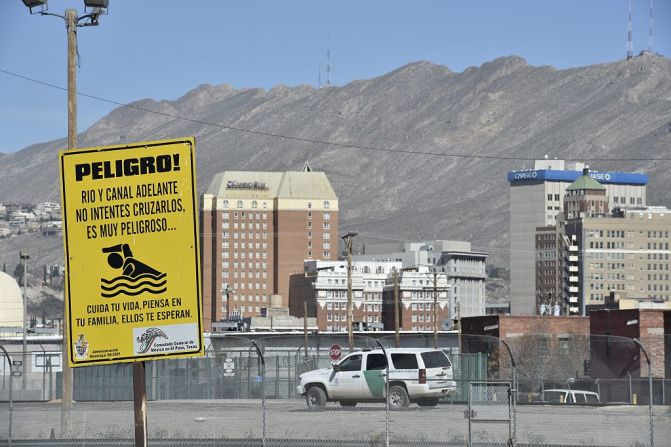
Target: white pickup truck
(415, 375)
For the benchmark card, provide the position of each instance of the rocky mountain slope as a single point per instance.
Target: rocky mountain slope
(503, 110)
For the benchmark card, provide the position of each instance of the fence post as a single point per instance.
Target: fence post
(513, 439)
(650, 396)
(263, 393)
(11, 402)
(386, 394)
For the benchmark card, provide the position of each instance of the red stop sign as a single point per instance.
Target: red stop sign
(335, 352)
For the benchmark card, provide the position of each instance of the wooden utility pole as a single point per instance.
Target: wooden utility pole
(435, 310)
(397, 335)
(348, 244)
(66, 400)
(305, 328)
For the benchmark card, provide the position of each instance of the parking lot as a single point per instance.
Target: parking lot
(289, 419)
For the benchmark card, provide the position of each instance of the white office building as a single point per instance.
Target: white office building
(465, 269)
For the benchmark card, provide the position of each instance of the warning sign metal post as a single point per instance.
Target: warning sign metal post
(132, 286)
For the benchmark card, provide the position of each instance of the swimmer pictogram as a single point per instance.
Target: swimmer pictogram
(136, 277)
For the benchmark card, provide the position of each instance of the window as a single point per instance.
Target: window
(326, 204)
(435, 359)
(404, 361)
(239, 203)
(376, 362)
(351, 363)
(254, 204)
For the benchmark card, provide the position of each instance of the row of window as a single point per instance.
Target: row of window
(325, 236)
(249, 215)
(325, 245)
(243, 265)
(243, 245)
(243, 275)
(326, 205)
(243, 255)
(421, 318)
(255, 204)
(249, 309)
(243, 226)
(242, 235)
(632, 200)
(658, 266)
(325, 215)
(249, 286)
(343, 317)
(250, 298)
(326, 254)
(325, 225)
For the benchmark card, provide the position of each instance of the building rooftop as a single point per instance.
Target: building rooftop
(585, 182)
(269, 185)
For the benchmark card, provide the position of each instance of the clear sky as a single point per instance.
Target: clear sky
(162, 49)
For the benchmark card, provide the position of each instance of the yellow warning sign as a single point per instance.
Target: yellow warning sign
(131, 249)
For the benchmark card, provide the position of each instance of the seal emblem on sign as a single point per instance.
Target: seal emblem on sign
(81, 347)
(146, 340)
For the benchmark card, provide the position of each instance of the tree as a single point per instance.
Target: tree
(18, 274)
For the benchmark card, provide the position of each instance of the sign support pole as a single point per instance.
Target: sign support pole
(140, 404)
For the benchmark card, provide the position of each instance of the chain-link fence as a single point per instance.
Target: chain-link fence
(569, 390)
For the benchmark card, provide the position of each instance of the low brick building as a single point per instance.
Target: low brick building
(616, 356)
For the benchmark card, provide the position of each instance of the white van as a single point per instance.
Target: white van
(566, 396)
(415, 375)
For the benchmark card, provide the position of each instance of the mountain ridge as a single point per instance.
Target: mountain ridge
(503, 109)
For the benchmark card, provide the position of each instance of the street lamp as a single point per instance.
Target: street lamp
(347, 237)
(24, 259)
(227, 291)
(72, 22)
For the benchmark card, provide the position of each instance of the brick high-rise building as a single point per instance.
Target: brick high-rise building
(257, 229)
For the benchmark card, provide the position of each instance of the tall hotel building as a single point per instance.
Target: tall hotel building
(536, 197)
(257, 229)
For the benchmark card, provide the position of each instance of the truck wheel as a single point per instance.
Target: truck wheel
(398, 398)
(315, 398)
(348, 403)
(428, 402)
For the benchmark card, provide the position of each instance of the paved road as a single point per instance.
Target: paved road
(289, 419)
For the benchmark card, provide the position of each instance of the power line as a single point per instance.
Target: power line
(315, 141)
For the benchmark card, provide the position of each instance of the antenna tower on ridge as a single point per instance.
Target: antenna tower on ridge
(651, 39)
(630, 44)
(328, 68)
